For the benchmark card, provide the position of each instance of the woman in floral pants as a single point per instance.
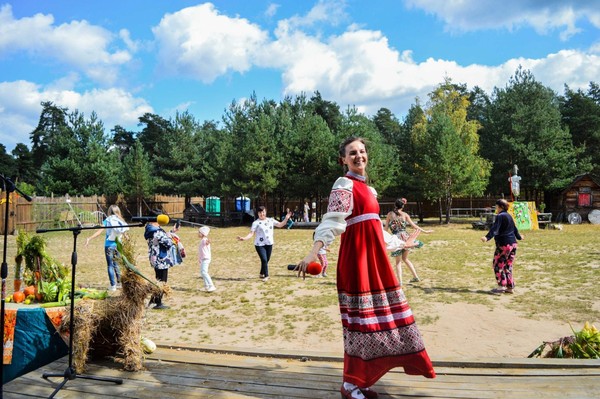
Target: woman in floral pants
(505, 234)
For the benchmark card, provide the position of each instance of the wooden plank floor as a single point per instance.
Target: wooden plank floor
(205, 373)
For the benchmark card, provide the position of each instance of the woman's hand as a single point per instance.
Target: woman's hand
(410, 242)
(303, 264)
(311, 257)
(240, 238)
(484, 239)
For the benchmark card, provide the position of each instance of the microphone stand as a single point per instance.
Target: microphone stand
(70, 373)
(9, 187)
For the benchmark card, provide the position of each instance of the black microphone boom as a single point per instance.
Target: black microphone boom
(10, 187)
(143, 219)
(161, 219)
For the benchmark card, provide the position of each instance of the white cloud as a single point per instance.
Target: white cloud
(572, 67)
(17, 101)
(325, 11)
(471, 15)
(272, 10)
(113, 106)
(77, 44)
(352, 67)
(199, 42)
(360, 68)
(180, 108)
(20, 107)
(357, 67)
(131, 44)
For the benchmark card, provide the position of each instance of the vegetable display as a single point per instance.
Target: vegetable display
(584, 344)
(48, 281)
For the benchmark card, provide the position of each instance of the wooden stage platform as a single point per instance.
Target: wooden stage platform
(207, 373)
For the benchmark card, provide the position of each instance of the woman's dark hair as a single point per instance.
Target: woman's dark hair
(400, 202)
(502, 203)
(342, 148)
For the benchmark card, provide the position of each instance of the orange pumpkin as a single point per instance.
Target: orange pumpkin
(18, 297)
(29, 290)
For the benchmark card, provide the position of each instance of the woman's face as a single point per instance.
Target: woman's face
(262, 214)
(356, 157)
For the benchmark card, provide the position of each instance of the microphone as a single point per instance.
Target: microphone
(27, 197)
(10, 187)
(161, 219)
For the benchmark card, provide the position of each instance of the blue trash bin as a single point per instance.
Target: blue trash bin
(242, 204)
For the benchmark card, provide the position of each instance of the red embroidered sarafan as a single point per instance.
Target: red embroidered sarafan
(379, 328)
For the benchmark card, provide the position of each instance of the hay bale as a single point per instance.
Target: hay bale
(113, 327)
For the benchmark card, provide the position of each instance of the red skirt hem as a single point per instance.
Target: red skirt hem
(365, 373)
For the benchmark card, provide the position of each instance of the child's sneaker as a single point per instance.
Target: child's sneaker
(211, 289)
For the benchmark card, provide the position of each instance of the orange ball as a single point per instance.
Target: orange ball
(313, 268)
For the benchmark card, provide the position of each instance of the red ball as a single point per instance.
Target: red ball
(313, 268)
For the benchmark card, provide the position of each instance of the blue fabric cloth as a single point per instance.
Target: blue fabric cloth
(114, 271)
(503, 230)
(36, 344)
(159, 247)
(107, 241)
(264, 253)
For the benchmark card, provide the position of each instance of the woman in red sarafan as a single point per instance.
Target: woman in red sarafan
(379, 328)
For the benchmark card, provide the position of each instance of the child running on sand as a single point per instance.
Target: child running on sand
(204, 257)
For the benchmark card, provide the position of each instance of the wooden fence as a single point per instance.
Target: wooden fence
(66, 211)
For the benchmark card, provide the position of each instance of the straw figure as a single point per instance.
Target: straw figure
(113, 327)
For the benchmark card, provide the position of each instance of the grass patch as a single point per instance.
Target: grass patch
(555, 272)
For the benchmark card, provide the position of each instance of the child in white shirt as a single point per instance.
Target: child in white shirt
(204, 257)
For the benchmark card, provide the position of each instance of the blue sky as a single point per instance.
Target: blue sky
(124, 58)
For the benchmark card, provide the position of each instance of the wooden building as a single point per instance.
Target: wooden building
(582, 196)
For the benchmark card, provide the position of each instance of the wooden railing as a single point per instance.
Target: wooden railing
(65, 211)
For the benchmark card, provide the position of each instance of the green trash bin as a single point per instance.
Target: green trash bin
(213, 205)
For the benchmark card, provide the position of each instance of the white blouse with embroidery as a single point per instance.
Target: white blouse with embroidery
(341, 204)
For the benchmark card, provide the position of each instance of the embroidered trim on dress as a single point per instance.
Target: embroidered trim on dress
(367, 321)
(356, 176)
(339, 201)
(358, 302)
(361, 218)
(399, 341)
